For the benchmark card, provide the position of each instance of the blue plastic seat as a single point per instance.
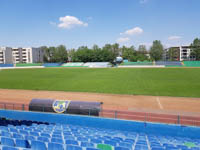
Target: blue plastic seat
(57, 140)
(32, 138)
(34, 133)
(69, 137)
(7, 141)
(9, 148)
(17, 136)
(3, 128)
(119, 138)
(129, 141)
(66, 133)
(37, 145)
(89, 148)
(23, 132)
(87, 144)
(128, 145)
(56, 135)
(71, 142)
(45, 135)
(22, 143)
(73, 147)
(122, 148)
(43, 139)
(6, 134)
(194, 148)
(110, 142)
(96, 141)
(13, 130)
(157, 148)
(84, 139)
(55, 146)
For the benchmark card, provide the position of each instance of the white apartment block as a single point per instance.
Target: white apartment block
(181, 53)
(20, 55)
(27, 55)
(6, 55)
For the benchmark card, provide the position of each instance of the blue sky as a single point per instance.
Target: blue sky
(33, 23)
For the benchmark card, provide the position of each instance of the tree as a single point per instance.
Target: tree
(195, 47)
(142, 49)
(172, 53)
(58, 54)
(156, 51)
(83, 54)
(128, 53)
(45, 51)
(48, 53)
(107, 49)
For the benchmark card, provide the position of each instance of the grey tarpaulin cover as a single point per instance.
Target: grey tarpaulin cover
(65, 106)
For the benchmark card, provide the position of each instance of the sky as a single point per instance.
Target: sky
(75, 23)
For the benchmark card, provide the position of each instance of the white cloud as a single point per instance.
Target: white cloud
(52, 23)
(122, 40)
(133, 31)
(68, 22)
(143, 1)
(172, 38)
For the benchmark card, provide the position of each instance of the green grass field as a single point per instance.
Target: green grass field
(184, 82)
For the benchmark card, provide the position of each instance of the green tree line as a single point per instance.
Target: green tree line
(109, 52)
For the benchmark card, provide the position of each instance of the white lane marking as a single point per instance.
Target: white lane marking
(158, 100)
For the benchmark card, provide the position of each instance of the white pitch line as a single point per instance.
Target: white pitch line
(158, 100)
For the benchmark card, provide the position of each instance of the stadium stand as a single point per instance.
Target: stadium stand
(52, 64)
(28, 64)
(84, 138)
(75, 64)
(97, 64)
(6, 65)
(169, 63)
(137, 63)
(78, 133)
(191, 63)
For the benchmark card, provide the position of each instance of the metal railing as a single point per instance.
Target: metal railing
(116, 114)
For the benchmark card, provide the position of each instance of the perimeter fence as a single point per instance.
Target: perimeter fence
(117, 114)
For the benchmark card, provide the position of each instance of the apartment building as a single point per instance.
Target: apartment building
(20, 55)
(180, 53)
(6, 55)
(27, 55)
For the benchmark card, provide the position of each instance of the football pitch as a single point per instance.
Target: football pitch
(180, 82)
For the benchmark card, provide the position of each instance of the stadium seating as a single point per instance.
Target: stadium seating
(191, 63)
(28, 64)
(32, 135)
(97, 64)
(52, 64)
(137, 63)
(78, 64)
(6, 65)
(169, 63)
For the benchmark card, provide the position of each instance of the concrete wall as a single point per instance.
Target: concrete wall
(8, 56)
(37, 55)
